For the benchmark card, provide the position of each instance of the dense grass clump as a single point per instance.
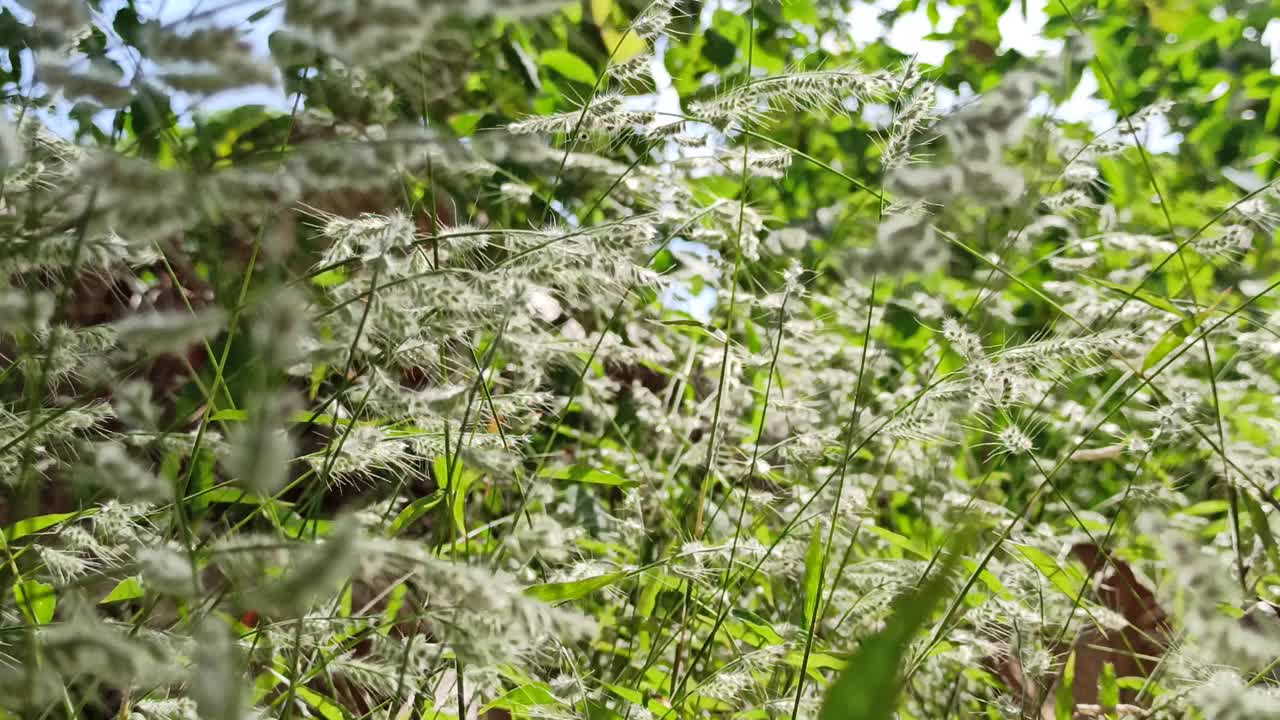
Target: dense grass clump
(631, 360)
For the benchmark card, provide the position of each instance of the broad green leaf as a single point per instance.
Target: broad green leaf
(413, 511)
(900, 542)
(127, 589)
(586, 474)
(600, 11)
(1069, 579)
(628, 46)
(395, 601)
(1168, 342)
(523, 696)
(569, 65)
(1108, 690)
(236, 496)
(31, 525)
(1172, 16)
(327, 708)
(1064, 704)
(817, 661)
(35, 600)
(464, 124)
(440, 469)
(989, 580)
(572, 590)
(1205, 508)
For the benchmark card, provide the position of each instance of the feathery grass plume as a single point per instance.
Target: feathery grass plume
(66, 353)
(25, 311)
(278, 327)
(108, 466)
(382, 31)
(66, 566)
(1260, 212)
(916, 113)
(137, 198)
(605, 120)
(1230, 241)
(314, 572)
(204, 61)
(98, 252)
(771, 163)
(339, 164)
(261, 447)
(238, 192)
(53, 433)
(1075, 353)
(163, 333)
(654, 19)
(81, 78)
(484, 617)
(1226, 696)
(1013, 440)
(800, 91)
(167, 570)
(634, 72)
(366, 238)
(12, 153)
(167, 709)
(1203, 590)
(907, 239)
(122, 524)
(964, 342)
(1081, 174)
(87, 647)
(216, 681)
(135, 405)
(979, 132)
(66, 16)
(357, 456)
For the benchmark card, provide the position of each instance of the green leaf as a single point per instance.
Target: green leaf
(1168, 342)
(127, 589)
(395, 601)
(572, 590)
(718, 49)
(600, 10)
(523, 696)
(814, 560)
(569, 65)
(900, 542)
(31, 525)
(1069, 579)
(413, 511)
(1156, 301)
(587, 474)
(235, 496)
(1108, 690)
(628, 45)
(868, 688)
(327, 708)
(464, 124)
(1064, 704)
(1205, 508)
(35, 600)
